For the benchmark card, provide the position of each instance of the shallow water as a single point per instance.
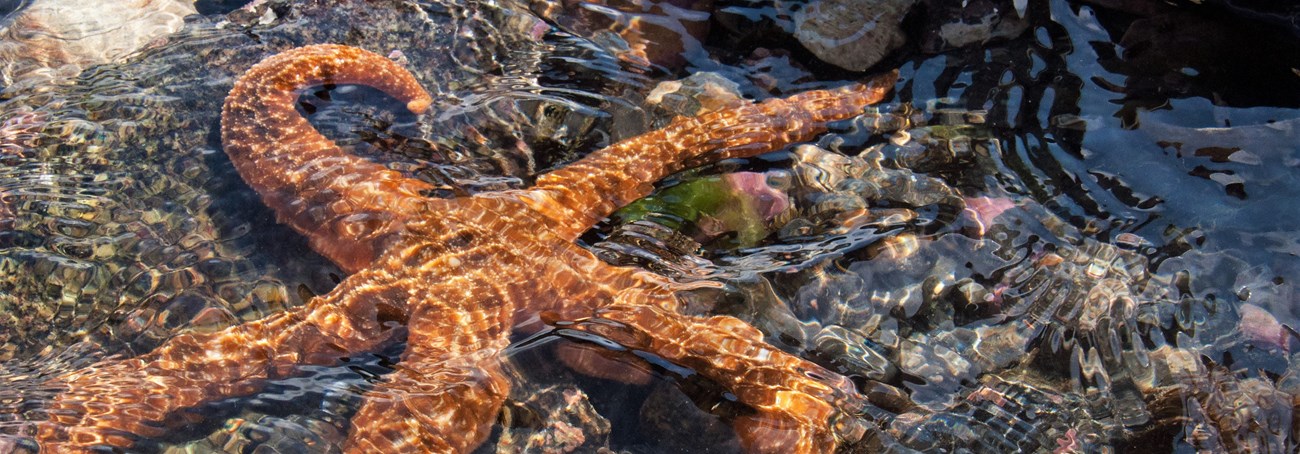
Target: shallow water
(1077, 238)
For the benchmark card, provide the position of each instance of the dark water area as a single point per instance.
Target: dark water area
(1069, 228)
(9, 6)
(209, 7)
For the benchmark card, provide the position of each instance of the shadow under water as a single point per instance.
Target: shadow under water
(1071, 229)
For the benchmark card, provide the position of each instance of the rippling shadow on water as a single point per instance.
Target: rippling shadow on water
(1076, 236)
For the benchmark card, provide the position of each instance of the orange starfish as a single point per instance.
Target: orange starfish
(458, 274)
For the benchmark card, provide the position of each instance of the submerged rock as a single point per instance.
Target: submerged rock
(660, 32)
(1029, 334)
(556, 418)
(53, 40)
(738, 206)
(852, 34)
(697, 94)
(1001, 415)
(950, 25)
(1262, 328)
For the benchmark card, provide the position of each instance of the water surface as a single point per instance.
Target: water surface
(1091, 221)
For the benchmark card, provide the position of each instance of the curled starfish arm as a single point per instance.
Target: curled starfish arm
(797, 404)
(582, 193)
(111, 400)
(349, 208)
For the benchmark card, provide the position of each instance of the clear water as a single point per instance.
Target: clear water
(1107, 146)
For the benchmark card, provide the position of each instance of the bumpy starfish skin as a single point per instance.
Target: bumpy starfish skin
(458, 274)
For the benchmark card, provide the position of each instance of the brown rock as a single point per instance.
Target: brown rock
(852, 34)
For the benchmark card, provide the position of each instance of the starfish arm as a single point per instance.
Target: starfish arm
(798, 404)
(432, 406)
(348, 207)
(463, 273)
(107, 402)
(579, 195)
(449, 386)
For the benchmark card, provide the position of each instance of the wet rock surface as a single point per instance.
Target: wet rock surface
(1019, 333)
(48, 41)
(954, 25)
(987, 276)
(851, 34)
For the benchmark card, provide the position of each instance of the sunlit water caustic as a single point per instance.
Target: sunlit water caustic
(1069, 227)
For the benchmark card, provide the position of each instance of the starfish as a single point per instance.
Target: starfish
(455, 275)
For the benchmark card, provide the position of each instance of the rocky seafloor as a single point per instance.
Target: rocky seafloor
(1070, 230)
